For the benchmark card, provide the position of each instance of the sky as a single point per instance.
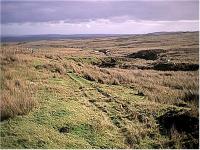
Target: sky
(28, 17)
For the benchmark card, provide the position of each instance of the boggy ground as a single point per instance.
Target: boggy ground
(101, 93)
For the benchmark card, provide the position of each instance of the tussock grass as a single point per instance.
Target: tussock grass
(15, 102)
(52, 67)
(164, 87)
(16, 96)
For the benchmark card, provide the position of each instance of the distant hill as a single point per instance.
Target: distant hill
(53, 37)
(27, 38)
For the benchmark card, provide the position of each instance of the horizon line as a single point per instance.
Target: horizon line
(99, 33)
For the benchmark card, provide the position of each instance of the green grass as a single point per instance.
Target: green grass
(94, 113)
(87, 60)
(40, 128)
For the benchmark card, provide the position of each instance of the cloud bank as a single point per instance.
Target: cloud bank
(102, 17)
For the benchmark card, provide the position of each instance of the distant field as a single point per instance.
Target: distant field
(136, 91)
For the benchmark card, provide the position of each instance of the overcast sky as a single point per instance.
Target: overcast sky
(98, 17)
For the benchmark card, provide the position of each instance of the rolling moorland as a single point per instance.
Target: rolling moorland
(135, 91)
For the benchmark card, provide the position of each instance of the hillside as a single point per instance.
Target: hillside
(139, 91)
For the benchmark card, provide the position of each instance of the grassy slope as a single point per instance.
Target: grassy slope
(39, 129)
(96, 115)
(93, 113)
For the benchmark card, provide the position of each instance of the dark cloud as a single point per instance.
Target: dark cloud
(72, 12)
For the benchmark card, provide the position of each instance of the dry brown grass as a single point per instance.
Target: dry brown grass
(165, 87)
(16, 93)
(171, 87)
(15, 102)
(53, 67)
